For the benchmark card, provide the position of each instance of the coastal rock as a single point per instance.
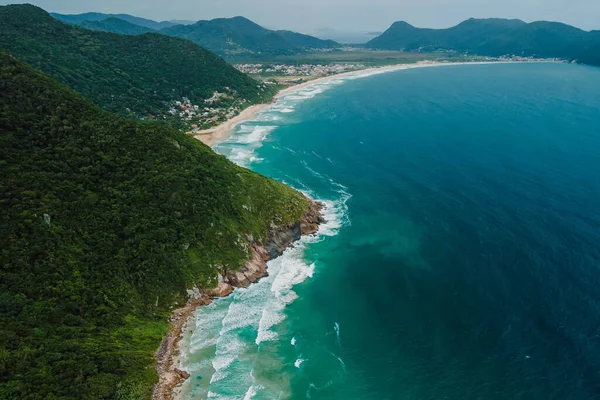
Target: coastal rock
(256, 268)
(238, 279)
(183, 375)
(223, 289)
(308, 229)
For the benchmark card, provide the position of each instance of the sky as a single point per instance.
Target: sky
(311, 16)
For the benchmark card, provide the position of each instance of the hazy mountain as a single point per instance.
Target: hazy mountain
(238, 35)
(344, 37)
(115, 25)
(182, 22)
(495, 37)
(76, 19)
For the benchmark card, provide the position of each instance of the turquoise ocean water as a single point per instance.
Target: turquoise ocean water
(461, 257)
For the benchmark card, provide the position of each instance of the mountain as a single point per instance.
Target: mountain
(494, 37)
(115, 25)
(77, 19)
(402, 35)
(239, 35)
(182, 22)
(130, 75)
(106, 221)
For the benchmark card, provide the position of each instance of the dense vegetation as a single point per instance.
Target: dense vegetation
(115, 25)
(105, 222)
(77, 19)
(234, 36)
(131, 75)
(496, 37)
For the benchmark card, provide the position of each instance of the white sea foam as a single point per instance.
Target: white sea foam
(293, 341)
(252, 391)
(342, 363)
(299, 362)
(336, 327)
(256, 134)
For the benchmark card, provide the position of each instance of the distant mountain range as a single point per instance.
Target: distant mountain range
(239, 35)
(224, 36)
(115, 25)
(496, 37)
(77, 19)
(130, 75)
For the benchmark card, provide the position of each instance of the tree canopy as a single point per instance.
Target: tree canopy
(105, 223)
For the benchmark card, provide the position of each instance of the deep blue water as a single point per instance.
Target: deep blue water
(462, 260)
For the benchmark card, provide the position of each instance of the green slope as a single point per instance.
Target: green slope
(105, 222)
(115, 25)
(239, 35)
(131, 75)
(495, 37)
(77, 19)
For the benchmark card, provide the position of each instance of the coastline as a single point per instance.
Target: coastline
(280, 238)
(170, 376)
(221, 132)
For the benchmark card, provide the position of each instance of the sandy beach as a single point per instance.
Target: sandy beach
(221, 132)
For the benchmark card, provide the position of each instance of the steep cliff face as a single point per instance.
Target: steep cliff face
(255, 268)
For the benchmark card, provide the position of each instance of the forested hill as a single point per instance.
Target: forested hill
(119, 73)
(105, 221)
(115, 25)
(239, 35)
(496, 37)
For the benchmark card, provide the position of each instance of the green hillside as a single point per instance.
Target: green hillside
(105, 222)
(131, 75)
(77, 19)
(495, 37)
(115, 25)
(239, 35)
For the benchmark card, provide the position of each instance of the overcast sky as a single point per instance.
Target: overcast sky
(347, 15)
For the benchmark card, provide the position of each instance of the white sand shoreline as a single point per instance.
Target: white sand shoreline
(221, 132)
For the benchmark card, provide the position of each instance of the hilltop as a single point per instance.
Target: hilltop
(239, 35)
(139, 75)
(106, 222)
(495, 37)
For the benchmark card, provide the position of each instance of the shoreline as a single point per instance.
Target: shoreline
(167, 367)
(223, 131)
(170, 376)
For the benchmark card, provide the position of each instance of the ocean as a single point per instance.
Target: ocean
(461, 254)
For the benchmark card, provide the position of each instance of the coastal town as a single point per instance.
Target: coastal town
(226, 104)
(307, 70)
(218, 108)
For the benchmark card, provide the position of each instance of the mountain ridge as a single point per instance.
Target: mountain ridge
(116, 25)
(495, 37)
(77, 19)
(229, 36)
